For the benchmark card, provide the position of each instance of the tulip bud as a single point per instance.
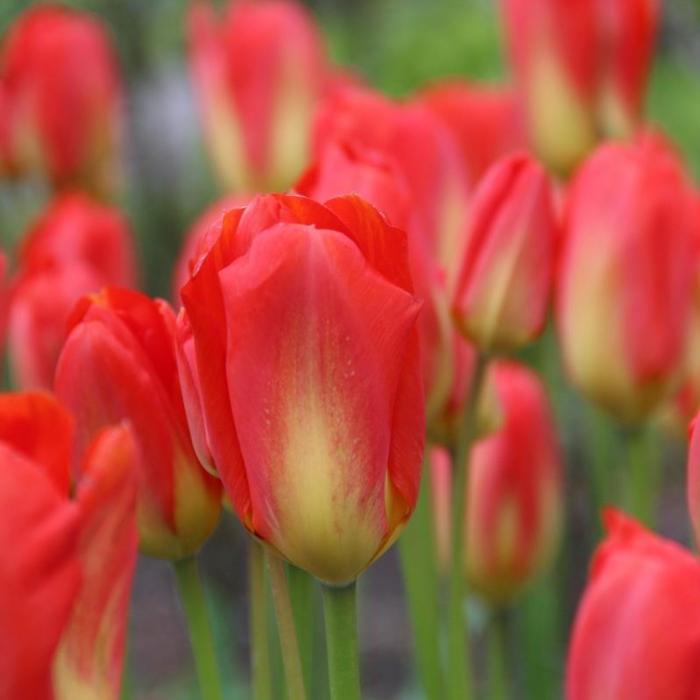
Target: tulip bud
(75, 247)
(118, 363)
(317, 427)
(258, 75)
(641, 587)
(515, 499)
(484, 121)
(624, 288)
(62, 95)
(628, 29)
(505, 279)
(554, 49)
(67, 586)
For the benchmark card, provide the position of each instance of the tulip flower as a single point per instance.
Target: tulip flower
(62, 94)
(505, 279)
(484, 121)
(76, 246)
(75, 227)
(554, 46)
(628, 29)
(624, 288)
(66, 587)
(637, 627)
(312, 408)
(118, 363)
(515, 499)
(258, 74)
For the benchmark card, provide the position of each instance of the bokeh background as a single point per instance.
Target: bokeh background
(397, 46)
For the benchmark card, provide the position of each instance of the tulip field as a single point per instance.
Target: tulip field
(350, 349)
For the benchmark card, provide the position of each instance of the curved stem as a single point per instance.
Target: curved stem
(340, 612)
(458, 664)
(285, 625)
(261, 669)
(201, 639)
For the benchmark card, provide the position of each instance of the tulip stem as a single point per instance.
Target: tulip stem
(201, 638)
(340, 612)
(642, 473)
(289, 643)
(261, 668)
(420, 578)
(458, 664)
(498, 647)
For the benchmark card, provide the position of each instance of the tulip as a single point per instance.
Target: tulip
(75, 227)
(484, 121)
(317, 427)
(515, 499)
(62, 96)
(628, 31)
(76, 246)
(694, 477)
(199, 239)
(637, 627)
(554, 50)
(258, 74)
(624, 288)
(118, 363)
(40, 304)
(505, 279)
(66, 588)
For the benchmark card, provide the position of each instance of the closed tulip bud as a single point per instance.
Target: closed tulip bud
(258, 74)
(641, 587)
(625, 278)
(628, 29)
(514, 512)
(66, 588)
(505, 280)
(554, 49)
(118, 363)
(483, 119)
(308, 377)
(62, 95)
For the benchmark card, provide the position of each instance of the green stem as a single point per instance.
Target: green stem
(192, 596)
(458, 665)
(285, 625)
(498, 664)
(340, 612)
(601, 460)
(642, 472)
(417, 549)
(302, 594)
(261, 669)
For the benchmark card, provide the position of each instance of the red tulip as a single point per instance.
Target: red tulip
(308, 377)
(62, 95)
(515, 494)
(66, 588)
(624, 288)
(505, 280)
(73, 228)
(40, 304)
(77, 246)
(200, 238)
(628, 30)
(258, 74)
(484, 121)
(637, 629)
(118, 363)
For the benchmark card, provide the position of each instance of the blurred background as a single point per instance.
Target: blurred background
(397, 46)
